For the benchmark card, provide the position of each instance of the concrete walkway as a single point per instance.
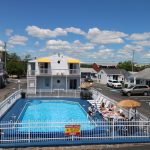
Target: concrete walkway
(92, 147)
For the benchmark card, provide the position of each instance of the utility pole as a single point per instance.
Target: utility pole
(5, 46)
(133, 61)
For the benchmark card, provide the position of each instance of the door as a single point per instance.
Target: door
(136, 90)
(115, 77)
(73, 83)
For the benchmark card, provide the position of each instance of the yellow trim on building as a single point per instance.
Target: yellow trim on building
(74, 61)
(44, 60)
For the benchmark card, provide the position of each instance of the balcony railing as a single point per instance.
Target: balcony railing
(59, 72)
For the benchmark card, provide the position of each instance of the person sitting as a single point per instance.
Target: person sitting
(102, 106)
(90, 110)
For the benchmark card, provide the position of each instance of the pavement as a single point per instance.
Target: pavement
(137, 146)
(116, 95)
(11, 87)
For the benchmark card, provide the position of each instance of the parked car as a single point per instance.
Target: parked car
(114, 84)
(85, 94)
(88, 80)
(136, 90)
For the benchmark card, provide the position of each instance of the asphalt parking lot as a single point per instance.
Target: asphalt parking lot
(116, 95)
(11, 87)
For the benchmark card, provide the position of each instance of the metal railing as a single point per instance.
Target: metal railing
(9, 101)
(61, 72)
(113, 102)
(55, 93)
(96, 132)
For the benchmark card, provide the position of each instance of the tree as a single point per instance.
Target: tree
(127, 65)
(15, 65)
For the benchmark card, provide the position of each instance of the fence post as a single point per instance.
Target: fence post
(72, 137)
(75, 93)
(40, 92)
(113, 131)
(29, 132)
(149, 128)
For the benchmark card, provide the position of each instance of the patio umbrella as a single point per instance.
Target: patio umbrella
(85, 85)
(127, 103)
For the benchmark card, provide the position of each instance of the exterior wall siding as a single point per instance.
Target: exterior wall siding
(103, 77)
(56, 82)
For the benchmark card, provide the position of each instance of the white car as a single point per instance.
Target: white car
(114, 84)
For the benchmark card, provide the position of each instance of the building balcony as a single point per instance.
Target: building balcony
(53, 72)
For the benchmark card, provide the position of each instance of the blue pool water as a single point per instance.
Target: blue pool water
(58, 113)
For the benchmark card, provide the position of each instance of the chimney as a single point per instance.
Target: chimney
(96, 67)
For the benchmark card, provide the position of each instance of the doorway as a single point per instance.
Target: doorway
(73, 84)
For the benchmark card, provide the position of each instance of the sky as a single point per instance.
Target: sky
(89, 30)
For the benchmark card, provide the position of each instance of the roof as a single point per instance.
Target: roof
(144, 74)
(44, 60)
(72, 60)
(113, 71)
(91, 70)
(117, 72)
(53, 57)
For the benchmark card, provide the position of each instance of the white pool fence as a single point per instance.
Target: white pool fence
(9, 101)
(24, 132)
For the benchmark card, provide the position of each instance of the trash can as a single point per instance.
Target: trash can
(23, 95)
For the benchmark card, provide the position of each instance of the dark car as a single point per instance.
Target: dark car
(85, 94)
(136, 90)
(88, 80)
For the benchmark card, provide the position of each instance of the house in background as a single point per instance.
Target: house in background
(141, 77)
(88, 73)
(54, 72)
(120, 75)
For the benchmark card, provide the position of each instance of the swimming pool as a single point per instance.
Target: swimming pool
(57, 113)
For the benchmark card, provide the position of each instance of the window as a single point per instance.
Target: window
(137, 81)
(137, 87)
(145, 87)
(58, 81)
(58, 61)
(73, 83)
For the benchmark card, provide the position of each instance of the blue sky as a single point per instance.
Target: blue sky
(90, 30)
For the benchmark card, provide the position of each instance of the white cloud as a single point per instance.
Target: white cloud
(105, 37)
(17, 40)
(57, 45)
(75, 30)
(143, 43)
(44, 33)
(36, 43)
(1, 45)
(137, 48)
(105, 53)
(124, 54)
(147, 55)
(8, 32)
(140, 36)
(76, 46)
(47, 33)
